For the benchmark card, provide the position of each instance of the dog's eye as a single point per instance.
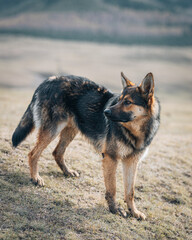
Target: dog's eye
(127, 102)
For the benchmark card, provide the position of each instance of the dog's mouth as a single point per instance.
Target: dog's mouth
(126, 118)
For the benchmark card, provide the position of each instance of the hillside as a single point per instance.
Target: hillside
(19, 6)
(125, 22)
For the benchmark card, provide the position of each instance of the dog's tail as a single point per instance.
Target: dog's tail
(25, 126)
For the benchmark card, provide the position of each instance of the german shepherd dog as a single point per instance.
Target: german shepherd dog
(120, 126)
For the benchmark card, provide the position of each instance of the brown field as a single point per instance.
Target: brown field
(74, 208)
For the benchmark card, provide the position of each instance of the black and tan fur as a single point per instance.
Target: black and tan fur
(119, 126)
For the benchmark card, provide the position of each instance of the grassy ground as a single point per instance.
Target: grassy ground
(68, 208)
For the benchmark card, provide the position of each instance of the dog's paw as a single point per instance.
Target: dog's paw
(122, 212)
(71, 173)
(38, 181)
(119, 211)
(112, 207)
(139, 215)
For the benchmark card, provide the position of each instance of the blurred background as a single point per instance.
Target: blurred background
(97, 39)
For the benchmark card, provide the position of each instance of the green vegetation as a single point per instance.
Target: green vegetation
(162, 5)
(10, 7)
(19, 6)
(143, 22)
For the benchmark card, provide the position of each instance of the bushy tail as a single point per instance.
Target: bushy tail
(24, 128)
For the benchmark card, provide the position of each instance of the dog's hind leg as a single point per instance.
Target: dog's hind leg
(66, 136)
(109, 172)
(44, 138)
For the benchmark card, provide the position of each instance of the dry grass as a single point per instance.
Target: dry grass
(28, 61)
(68, 208)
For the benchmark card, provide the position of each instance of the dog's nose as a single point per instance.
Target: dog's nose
(107, 112)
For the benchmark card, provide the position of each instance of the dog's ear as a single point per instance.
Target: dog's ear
(125, 81)
(147, 86)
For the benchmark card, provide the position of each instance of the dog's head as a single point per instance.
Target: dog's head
(135, 102)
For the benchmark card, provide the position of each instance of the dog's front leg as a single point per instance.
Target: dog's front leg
(109, 172)
(129, 176)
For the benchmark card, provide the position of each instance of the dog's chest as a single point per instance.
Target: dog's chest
(123, 150)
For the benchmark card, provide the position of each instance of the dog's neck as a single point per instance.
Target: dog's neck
(136, 134)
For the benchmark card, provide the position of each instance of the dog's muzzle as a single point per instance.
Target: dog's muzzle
(107, 112)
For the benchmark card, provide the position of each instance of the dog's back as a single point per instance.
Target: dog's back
(60, 98)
